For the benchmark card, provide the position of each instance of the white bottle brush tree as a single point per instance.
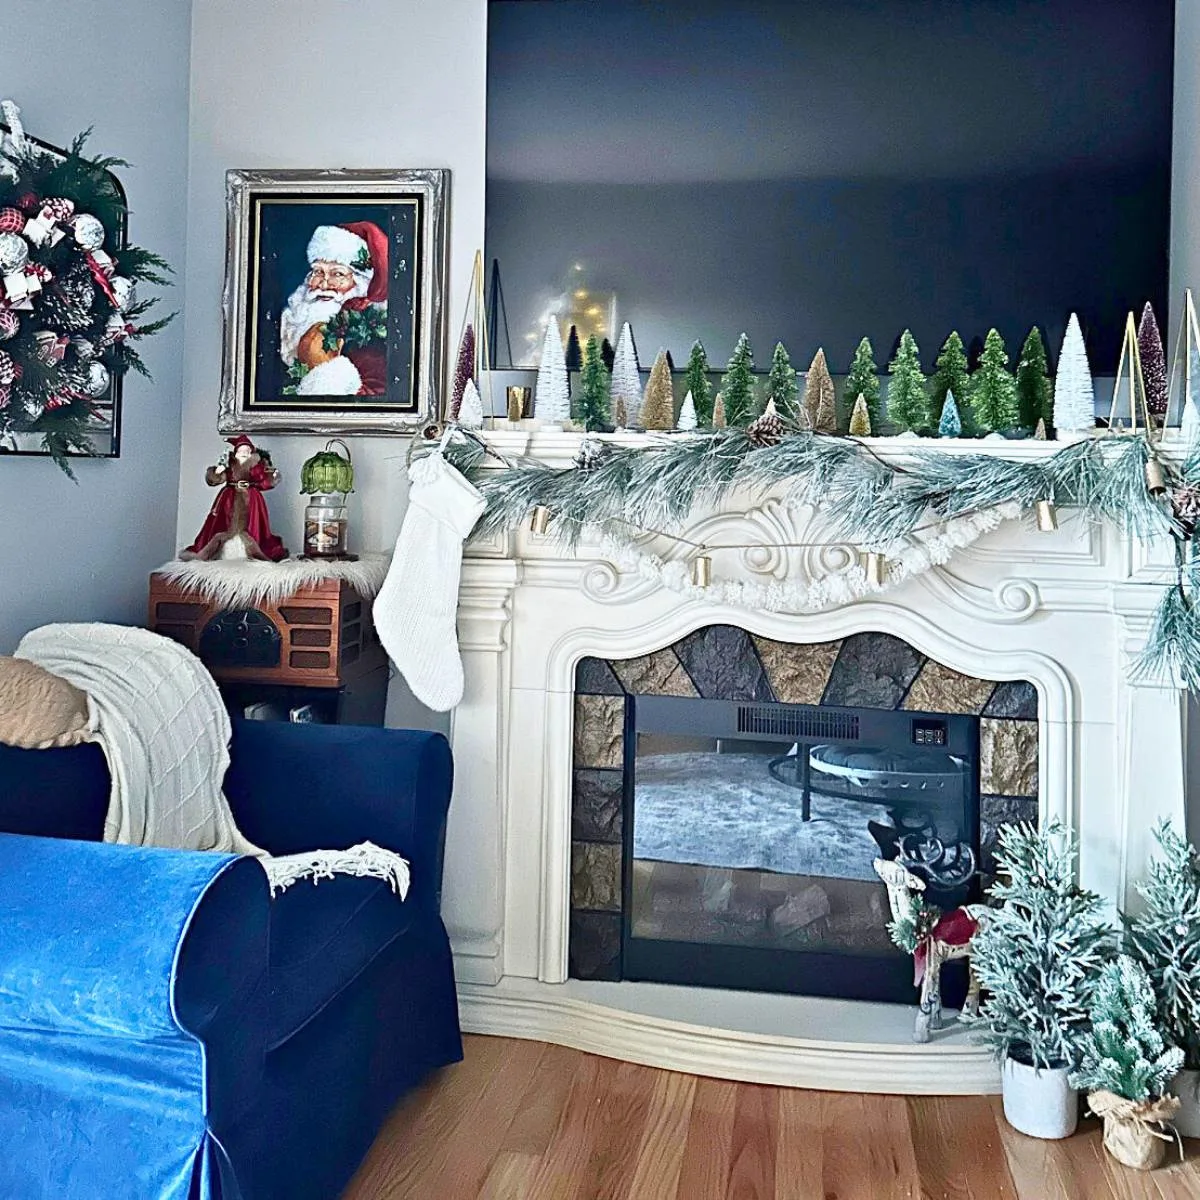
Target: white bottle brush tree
(1039, 952)
(627, 377)
(1074, 396)
(552, 399)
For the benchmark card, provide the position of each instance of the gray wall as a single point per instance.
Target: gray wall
(298, 84)
(83, 552)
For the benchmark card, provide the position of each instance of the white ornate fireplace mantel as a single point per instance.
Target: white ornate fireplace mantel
(1064, 610)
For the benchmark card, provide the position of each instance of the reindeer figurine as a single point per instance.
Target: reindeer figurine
(939, 938)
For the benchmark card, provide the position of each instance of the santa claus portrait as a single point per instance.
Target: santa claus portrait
(334, 287)
(333, 330)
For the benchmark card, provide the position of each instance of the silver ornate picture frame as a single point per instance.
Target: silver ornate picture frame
(335, 301)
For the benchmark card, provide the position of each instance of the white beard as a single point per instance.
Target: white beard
(306, 309)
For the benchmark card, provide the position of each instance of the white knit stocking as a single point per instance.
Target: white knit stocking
(416, 607)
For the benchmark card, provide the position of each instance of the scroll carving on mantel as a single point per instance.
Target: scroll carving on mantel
(775, 557)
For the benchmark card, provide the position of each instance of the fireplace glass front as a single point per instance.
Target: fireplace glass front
(750, 831)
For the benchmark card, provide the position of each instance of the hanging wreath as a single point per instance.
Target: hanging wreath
(69, 303)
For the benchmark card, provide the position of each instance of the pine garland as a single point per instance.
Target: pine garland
(87, 309)
(865, 500)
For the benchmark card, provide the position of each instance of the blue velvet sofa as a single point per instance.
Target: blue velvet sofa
(169, 1031)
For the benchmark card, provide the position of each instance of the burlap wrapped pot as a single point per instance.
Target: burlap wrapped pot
(1136, 1132)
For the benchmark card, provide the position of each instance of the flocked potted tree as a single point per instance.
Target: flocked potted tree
(1037, 955)
(1165, 939)
(1126, 1065)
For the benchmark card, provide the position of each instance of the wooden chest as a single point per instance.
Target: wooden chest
(321, 636)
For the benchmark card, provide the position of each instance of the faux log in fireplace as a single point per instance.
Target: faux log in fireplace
(730, 795)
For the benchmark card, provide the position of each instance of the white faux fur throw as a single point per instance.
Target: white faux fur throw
(156, 713)
(243, 582)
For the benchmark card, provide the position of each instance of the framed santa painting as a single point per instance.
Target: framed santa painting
(334, 289)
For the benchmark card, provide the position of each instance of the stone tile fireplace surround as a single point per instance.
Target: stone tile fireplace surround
(723, 662)
(1061, 611)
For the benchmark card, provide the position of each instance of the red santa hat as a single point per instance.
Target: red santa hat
(360, 245)
(239, 441)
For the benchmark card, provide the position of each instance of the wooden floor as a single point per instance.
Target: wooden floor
(527, 1121)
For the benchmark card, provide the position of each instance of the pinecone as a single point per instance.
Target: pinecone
(1185, 504)
(592, 453)
(69, 303)
(767, 429)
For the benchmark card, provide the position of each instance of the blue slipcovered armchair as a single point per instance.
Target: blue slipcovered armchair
(166, 1029)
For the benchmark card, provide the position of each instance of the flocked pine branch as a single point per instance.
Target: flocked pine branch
(1122, 1050)
(1040, 949)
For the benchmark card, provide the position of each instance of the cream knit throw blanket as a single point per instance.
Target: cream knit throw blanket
(157, 715)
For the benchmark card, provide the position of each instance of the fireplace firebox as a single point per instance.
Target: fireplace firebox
(730, 794)
(750, 831)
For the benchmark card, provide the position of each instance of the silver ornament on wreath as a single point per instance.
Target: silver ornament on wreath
(124, 291)
(98, 380)
(14, 252)
(88, 232)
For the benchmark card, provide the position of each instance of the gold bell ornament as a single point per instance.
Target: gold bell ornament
(1156, 479)
(1047, 516)
(875, 566)
(701, 571)
(539, 520)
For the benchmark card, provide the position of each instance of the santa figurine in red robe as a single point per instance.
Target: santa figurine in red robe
(237, 525)
(333, 329)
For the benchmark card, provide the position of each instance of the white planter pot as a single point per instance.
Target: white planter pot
(1040, 1103)
(1186, 1085)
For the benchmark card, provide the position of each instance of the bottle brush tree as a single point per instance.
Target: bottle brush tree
(1154, 365)
(863, 380)
(552, 399)
(781, 383)
(718, 417)
(1074, 398)
(573, 354)
(1123, 1051)
(949, 375)
(860, 418)
(593, 388)
(992, 388)
(820, 398)
(1165, 939)
(627, 375)
(1040, 949)
(908, 395)
(658, 403)
(695, 380)
(738, 385)
(1035, 395)
(950, 423)
(687, 421)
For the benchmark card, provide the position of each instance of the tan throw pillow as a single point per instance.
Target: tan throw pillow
(38, 710)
